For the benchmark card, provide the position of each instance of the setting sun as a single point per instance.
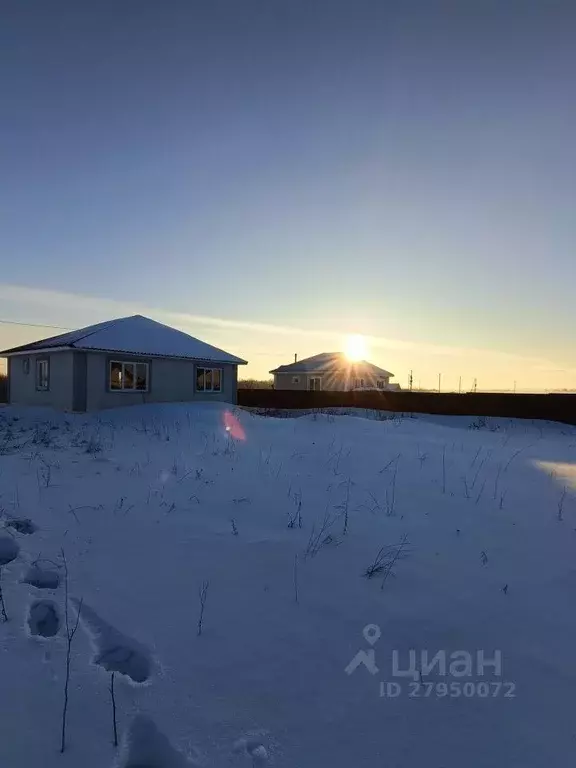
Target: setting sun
(355, 347)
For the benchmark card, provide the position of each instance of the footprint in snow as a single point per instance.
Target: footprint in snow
(114, 651)
(144, 746)
(41, 578)
(22, 525)
(43, 618)
(9, 549)
(252, 748)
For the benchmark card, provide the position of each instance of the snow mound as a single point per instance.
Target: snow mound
(114, 651)
(43, 619)
(9, 550)
(146, 747)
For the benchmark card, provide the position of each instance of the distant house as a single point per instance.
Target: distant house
(120, 362)
(332, 371)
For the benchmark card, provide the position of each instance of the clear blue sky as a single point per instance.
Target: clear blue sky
(405, 170)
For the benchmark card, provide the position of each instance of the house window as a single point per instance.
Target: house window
(42, 375)
(208, 379)
(128, 377)
(295, 379)
(26, 365)
(380, 383)
(358, 383)
(315, 384)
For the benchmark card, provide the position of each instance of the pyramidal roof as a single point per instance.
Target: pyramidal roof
(328, 361)
(136, 335)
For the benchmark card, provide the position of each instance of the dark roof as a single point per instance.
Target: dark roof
(329, 361)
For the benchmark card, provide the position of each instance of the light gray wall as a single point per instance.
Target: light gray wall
(332, 381)
(170, 381)
(79, 386)
(285, 381)
(23, 386)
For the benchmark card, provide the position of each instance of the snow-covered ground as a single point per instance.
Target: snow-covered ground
(467, 528)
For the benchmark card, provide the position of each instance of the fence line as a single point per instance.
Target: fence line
(552, 407)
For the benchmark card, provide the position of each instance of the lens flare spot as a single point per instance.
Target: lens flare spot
(233, 426)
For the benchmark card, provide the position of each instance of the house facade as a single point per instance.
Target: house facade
(332, 371)
(130, 360)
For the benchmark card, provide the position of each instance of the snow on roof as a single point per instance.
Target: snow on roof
(133, 335)
(328, 361)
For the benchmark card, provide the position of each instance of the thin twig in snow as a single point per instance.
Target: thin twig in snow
(391, 501)
(2, 606)
(497, 480)
(481, 491)
(319, 538)
(389, 464)
(385, 560)
(70, 633)
(113, 697)
(295, 578)
(203, 592)
(561, 504)
(517, 453)
(475, 457)
(388, 567)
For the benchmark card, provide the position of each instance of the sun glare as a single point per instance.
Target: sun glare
(355, 347)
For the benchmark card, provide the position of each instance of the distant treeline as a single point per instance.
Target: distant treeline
(255, 384)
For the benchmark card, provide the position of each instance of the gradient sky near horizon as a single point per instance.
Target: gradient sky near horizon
(271, 175)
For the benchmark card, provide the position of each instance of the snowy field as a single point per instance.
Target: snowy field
(331, 554)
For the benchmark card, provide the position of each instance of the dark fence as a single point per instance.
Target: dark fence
(553, 407)
(3, 389)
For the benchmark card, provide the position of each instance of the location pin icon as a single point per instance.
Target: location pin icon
(372, 633)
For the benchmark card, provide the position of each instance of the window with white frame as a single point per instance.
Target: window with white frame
(380, 383)
(295, 379)
(128, 376)
(42, 375)
(208, 379)
(26, 365)
(314, 383)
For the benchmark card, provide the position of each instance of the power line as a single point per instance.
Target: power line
(36, 325)
(63, 328)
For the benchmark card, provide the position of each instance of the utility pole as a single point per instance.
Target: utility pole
(410, 380)
(439, 382)
(460, 385)
(475, 386)
(514, 386)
